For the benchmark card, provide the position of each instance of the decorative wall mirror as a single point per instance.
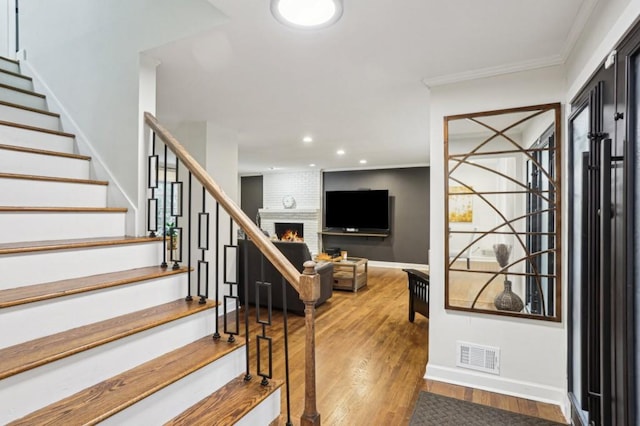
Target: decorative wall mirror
(502, 234)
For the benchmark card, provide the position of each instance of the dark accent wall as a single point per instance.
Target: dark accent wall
(251, 195)
(409, 204)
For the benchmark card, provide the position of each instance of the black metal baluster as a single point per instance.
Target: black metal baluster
(203, 245)
(216, 335)
(232, 284)
(164, 212)
(176, 214)
(231, 245)
(245, 267)
(152, 184)
(189, 272)
(263, 338)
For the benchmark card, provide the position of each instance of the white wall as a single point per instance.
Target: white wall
(5, 18)
(87, 54)
(304, 186)
(533, 353)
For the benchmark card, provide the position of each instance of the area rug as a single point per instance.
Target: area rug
(432, 409)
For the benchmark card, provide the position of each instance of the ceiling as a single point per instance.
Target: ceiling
(360, 85)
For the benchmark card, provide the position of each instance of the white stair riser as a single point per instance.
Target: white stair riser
(45, 226)
(9, 66)
(264, 413)
(21, 98)
(15, 81)
(37, 193)
(33, 320)
(19, 270)
(172, 400)
(26, 163)
(24, 393)
(10, 135)
(29, 118)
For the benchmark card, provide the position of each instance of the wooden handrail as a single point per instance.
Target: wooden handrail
(271, 252)
(307, 284)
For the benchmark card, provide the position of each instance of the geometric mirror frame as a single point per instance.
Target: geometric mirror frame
(503, 210)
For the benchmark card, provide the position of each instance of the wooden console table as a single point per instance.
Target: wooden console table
(350, 274)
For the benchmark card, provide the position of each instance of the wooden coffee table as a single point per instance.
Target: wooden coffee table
(350, 273)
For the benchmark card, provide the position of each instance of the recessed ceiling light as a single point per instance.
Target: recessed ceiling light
(363, 161)
(340, 152)
(309, 14)
(312, 165)
(307, 139)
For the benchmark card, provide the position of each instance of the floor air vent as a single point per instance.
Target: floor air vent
(476, 357)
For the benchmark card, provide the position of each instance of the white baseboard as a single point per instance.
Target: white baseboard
(496, 384)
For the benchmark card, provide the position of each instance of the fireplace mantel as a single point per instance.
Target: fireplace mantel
(288, 211)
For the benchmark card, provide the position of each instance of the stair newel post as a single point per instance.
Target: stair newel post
(216, 335)
(309, 294)
(189, 242)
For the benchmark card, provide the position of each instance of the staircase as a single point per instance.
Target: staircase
(92, 329)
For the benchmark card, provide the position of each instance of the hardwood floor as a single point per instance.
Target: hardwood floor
(371, 359)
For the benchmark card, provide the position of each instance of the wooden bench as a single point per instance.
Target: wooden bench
(418, 293)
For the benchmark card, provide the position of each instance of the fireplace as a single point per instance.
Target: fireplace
(289, 231)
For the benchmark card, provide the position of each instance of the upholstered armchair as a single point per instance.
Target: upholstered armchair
(297, 253)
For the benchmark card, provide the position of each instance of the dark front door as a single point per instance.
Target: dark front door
(602, 284)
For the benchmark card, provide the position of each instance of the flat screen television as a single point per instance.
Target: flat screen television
(357, 211)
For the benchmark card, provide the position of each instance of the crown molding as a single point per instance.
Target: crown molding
(578, 26)
(493, 71)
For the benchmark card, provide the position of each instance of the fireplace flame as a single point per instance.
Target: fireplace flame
(290, 235)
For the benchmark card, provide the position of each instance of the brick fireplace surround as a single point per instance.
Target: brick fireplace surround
(306, 188)
(310, 218)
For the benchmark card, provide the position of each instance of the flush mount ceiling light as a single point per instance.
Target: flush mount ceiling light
(307, 139)
(307, 14)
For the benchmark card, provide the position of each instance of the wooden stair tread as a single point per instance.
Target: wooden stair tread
(64, 209)
(36, 129)
(43, 152)
(25, 91)
(99, 402)
(53, 179)
(228, 404)
(26, 108)
(15, 74)
(33, 246)
(51, 290)
(34, 353)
